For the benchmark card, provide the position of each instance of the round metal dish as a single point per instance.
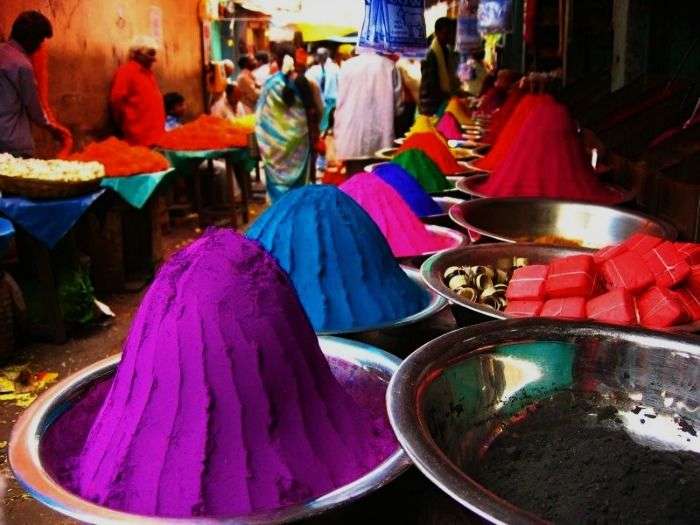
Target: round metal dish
(458, 239)
(487, 372)
(372, 368)
(434, 268)
(445, 203)
(594, 225)
(436, 304)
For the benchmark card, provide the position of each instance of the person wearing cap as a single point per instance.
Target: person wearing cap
(20, 105)
(135, 99)
(325, 74)
(439, 80)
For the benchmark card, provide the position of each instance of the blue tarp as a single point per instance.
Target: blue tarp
(48, 221)
(136, 189)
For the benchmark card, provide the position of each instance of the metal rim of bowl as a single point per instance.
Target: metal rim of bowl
(457, 214)
(443, 202)
(25, 460)
(436, 304)
(407, 385)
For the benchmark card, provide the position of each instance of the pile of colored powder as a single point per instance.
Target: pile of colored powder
(223, 403)
(121, 159)
(423, 124)
(206, 133)
(502, 116)
(341, 265)
(434, 147)
(457, 108)
(510, 132)
(449, 127)
(548, 160)
(423, 169)
(402, 228)
(409, 188)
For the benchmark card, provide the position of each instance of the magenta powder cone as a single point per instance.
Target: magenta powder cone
(223, 403)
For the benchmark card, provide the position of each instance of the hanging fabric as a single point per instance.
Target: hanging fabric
(495, 16)
(394, 26)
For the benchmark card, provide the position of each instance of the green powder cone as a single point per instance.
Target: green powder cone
(424, 170)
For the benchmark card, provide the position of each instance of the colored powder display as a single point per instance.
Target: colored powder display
(457, 108)
(420, 167)
(548, 160)
(435, 148)
(449, 127)
(404, 231)
(120, 159)
(409, 188)
(423, 124)
(502, 116)
(223, 403)
(510, 132)
(338, 260)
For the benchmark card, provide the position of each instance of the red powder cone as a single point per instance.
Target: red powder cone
(547, 159)
(510, 132)
(502, 116)
(433, 146)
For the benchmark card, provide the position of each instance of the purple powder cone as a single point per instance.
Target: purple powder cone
(223, 403)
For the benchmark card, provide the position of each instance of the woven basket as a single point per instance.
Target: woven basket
(46, 189)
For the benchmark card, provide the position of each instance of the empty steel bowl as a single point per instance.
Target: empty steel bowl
(451, 397)
(523, 219)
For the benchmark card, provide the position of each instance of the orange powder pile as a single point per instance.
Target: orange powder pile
(121, 160)
(205, 133)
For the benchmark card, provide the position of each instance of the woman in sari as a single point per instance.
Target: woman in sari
(286, 126)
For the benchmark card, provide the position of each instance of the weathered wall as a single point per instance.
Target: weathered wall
(90, 40)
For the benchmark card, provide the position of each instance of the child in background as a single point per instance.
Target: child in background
(174, 110)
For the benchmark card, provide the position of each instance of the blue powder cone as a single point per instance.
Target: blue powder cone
(409, 188)
(338, 260)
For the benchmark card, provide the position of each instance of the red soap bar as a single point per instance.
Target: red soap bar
(607, 253)
(667, 265)
(694, 279)
(691, 302)
(690, 251)
(565, 308)
(627, 271)
(527, 283)
(659, 308)
(571, 277)
(616, 307)
(524, 308)
(641, 243)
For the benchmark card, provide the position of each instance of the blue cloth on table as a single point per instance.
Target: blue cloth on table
(409, 188)
(48, 221)
(136, 189)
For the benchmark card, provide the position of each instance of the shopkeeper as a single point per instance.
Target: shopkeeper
(19, 96)
(135, 99)
(439, 80)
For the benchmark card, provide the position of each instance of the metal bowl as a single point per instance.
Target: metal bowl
(594, 225)
(450, 397)
(357, 366)
(434, 268)
(436, 304)
(443, 218)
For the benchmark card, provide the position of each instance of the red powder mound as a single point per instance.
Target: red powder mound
(502, 116)
(433, 146)
(548, 160)
(510, 132)
(205, 133)
(121, 159)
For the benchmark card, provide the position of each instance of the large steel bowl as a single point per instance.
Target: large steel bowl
(442, 218)
(359, 368)
(597, 226)
(470, 312)
(450, 397)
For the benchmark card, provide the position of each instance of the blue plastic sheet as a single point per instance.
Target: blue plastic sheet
(136, 189)
(394, 26)
(48, 221)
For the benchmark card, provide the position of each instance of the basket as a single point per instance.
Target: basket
(47, 189)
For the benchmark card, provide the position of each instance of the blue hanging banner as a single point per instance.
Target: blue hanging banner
(495, 16)
(394, 26)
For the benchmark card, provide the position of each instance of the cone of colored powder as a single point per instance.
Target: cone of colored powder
(223, 403)
(449, 127)
(548, 160)
(409, 188)
(435, 148)
(420, 167)
(456, 107)
(510, 132)
(402, 228)
(341, 265)
(502, 116)
(422, 124)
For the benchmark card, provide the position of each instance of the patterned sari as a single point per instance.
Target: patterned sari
(283, 138)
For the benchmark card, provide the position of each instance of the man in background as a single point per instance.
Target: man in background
(249, 91)
(135, 99)
(325, 74)
(19, 97)
(439, 80)
(262, 72)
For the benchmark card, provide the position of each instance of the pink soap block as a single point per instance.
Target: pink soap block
(615, 307)
(565, 308)
(627, 271)
(691, 302)
(527, 283)
(689, 250)
(667, 265)
(571, 277)
(524, 308)
(659, 308)
(641, 243)
(607, 253)
(693, 281)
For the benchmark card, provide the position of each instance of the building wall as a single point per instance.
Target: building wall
(91, 39)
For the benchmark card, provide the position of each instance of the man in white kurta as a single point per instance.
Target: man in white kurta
(369, 97)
